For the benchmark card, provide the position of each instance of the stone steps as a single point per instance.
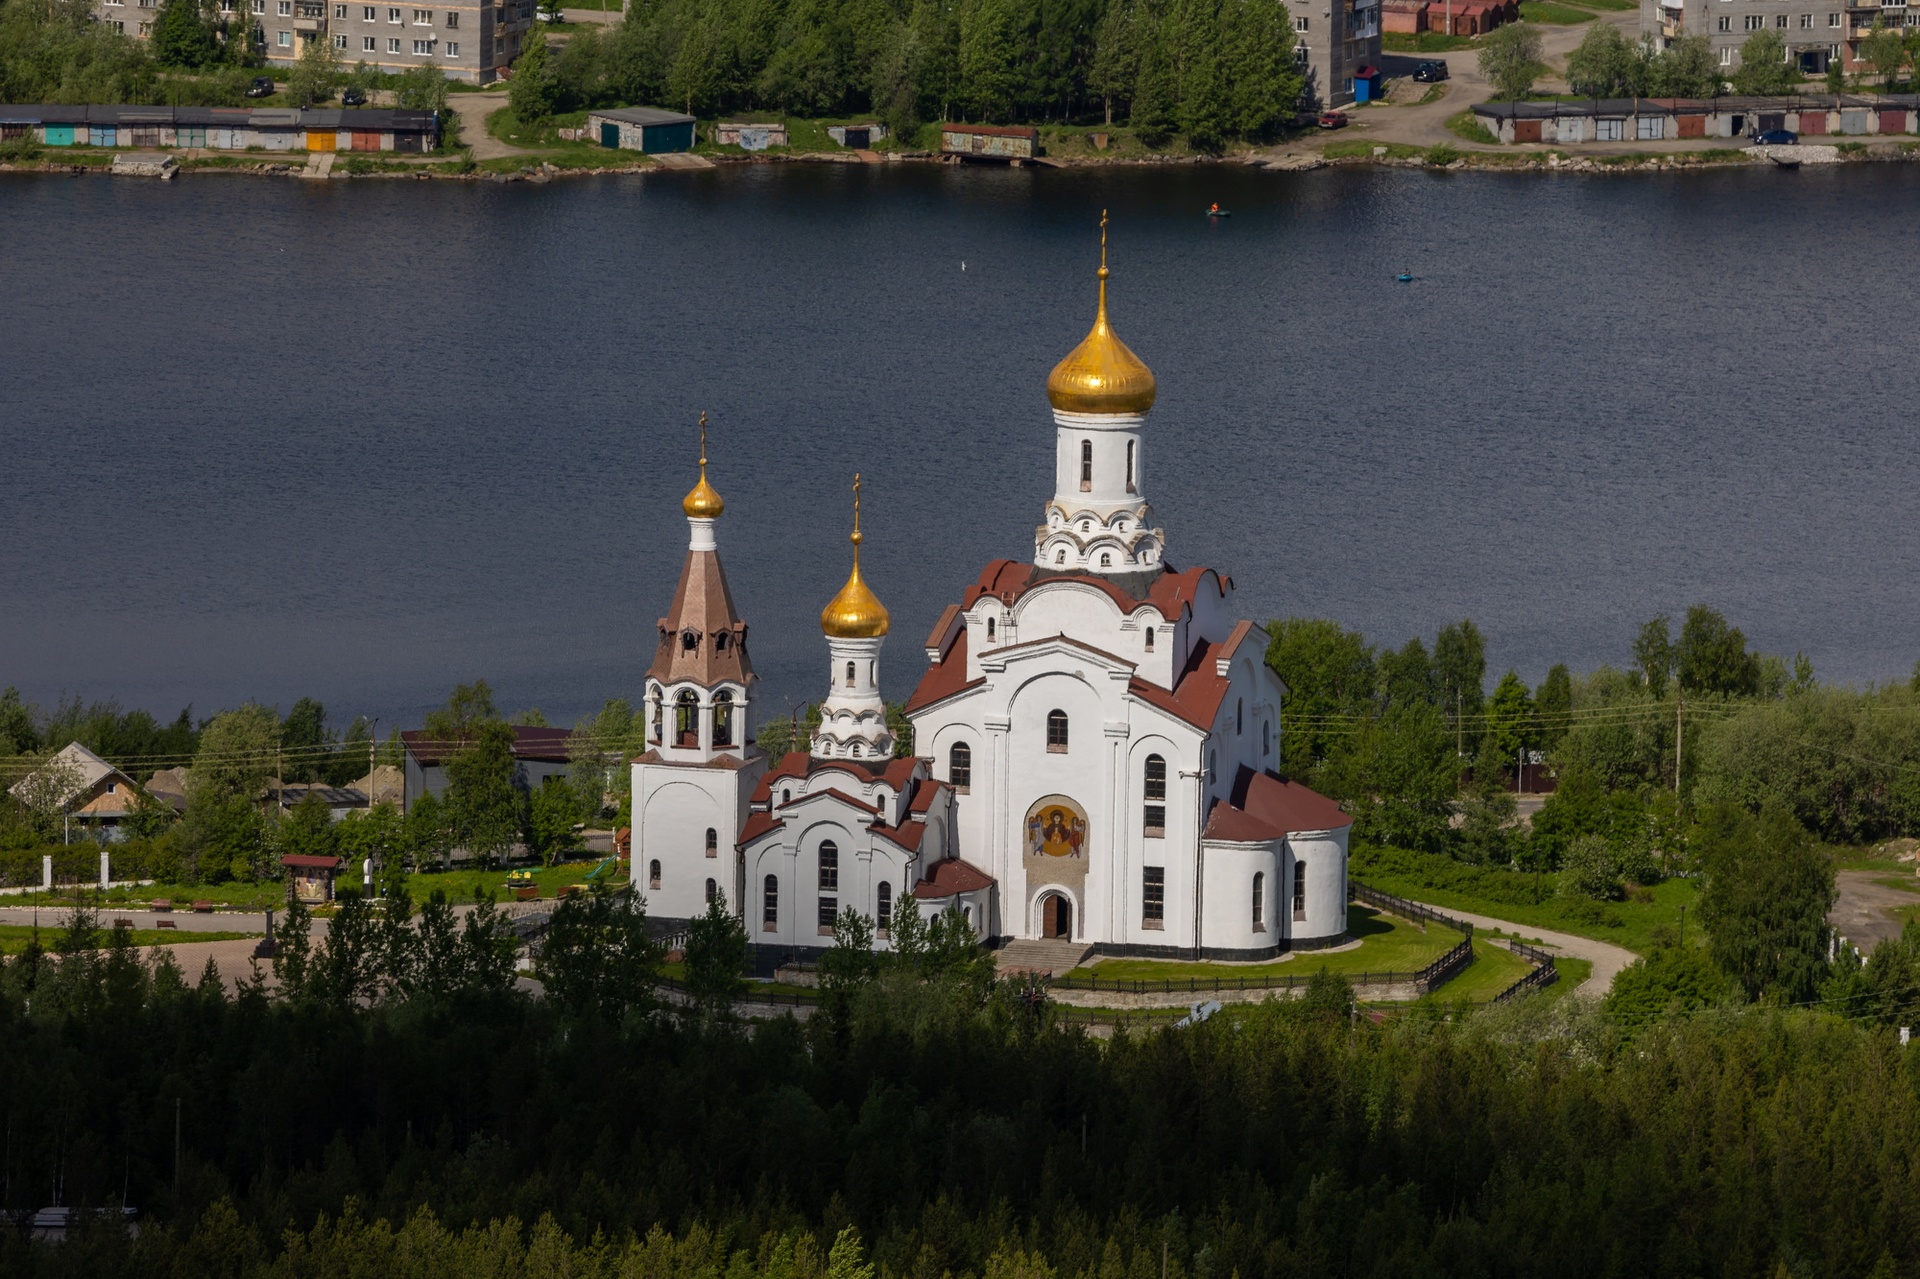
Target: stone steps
(1040, 956)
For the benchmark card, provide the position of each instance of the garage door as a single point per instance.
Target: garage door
(1526, 130)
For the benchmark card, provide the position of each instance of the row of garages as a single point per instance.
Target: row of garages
(1671, 119)
(223, 128)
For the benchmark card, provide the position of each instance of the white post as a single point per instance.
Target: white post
(46, 871)
(105, 877)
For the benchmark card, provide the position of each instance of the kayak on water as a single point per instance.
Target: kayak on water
(1215, 211)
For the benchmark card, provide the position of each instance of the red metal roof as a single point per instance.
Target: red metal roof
(546, 745)
(307, 860)
(1262, 807)
(1172, 591)
(944, 678)
(951, 877)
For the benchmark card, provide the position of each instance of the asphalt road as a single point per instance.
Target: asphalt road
(1864, 912)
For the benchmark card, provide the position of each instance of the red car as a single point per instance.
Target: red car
(1332, 120)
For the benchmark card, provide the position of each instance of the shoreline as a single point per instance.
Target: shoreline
(1391, 156)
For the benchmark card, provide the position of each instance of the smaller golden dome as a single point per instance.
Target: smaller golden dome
(856, 612)
(702, 502)
(1102, 375)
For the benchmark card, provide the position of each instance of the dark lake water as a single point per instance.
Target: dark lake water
(364, 440)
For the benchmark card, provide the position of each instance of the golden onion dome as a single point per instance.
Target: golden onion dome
(702, 502)
(1102, 375)
(856, 612)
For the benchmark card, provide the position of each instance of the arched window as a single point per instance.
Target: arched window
(1060, 556)
(713, 842)
(849, 674)
(723, 718)
(1149, 639)
(659, 718)
(1299, 891)
(960, 767)
(1153, 791)
(989, 628)
(1057, 731)
(770, 905)
(1259, 901)
(686, 719)
(653, 873)
(1266, 737)
(1130, 448)
(786, 794)
(883, 907)
(1239, 715)
(856, 750)
(873, 674)
(720, 642)
(1106, 560)
(713, 891)
(1086, 465)
(689, 640)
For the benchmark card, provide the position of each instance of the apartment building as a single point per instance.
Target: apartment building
(472, 42)
(1333, 39)
(1816, 32)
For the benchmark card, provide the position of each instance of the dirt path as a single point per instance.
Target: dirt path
(1606, 958)
(474, 108)
(1864, 912)
(1425, 124)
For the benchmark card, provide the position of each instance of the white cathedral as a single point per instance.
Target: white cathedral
(1097, 739)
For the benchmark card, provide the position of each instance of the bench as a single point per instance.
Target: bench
(165, 923)
(203, 908)
(123, 923)
(163, 903)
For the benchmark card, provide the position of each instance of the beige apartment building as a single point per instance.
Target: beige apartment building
(1334, 39)
(471, 42)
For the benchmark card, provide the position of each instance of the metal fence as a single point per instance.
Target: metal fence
(1406, 909)
(1544, 974)
(1430, 976)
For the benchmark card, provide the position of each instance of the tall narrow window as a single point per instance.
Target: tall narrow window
(713, 891)
(653, 873)
(883, 907)
(1130, 485)
(1154, 791)
(1153, 896)
(829, 867)
(686, 719)
(770, 905)
(723, 719)
(713, 842)
(1086, 465)
(1259, 901)
(960, 767)
(1057, 731)
(1266, 738)
(989, 630)
(1149, 639)
(873, 674)
(1239, 715)
(1299, 891)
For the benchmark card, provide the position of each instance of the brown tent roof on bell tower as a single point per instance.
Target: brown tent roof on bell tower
(702, 637)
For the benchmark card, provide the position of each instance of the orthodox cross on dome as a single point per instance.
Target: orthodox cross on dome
(703, 503)
(857, 539)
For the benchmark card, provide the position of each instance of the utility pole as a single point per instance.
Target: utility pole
(1459, 722)
(1679, 731)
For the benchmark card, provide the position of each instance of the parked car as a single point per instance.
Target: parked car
(1776, 138)
(1431, 71)
(353, 97)
(262, 87)
(1331, 120)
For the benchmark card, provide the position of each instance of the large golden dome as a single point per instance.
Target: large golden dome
(702, 502)
(856, 612)
(1101, 375)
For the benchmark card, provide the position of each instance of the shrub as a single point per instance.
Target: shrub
(1589, 870)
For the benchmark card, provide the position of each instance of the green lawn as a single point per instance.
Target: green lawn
(1388, 944)
(1466, 126)
(1494, 968)
(228, 896)
(1522, 898)
(1423, 42)
(14, 937)
(1558, 15)
(1573, 972)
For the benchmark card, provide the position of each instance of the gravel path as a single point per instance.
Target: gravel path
(1606, 958)
(1864, 911)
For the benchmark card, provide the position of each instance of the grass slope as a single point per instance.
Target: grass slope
(14, 937)
(1521, 898)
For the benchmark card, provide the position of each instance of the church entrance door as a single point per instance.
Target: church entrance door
(1056, 917)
